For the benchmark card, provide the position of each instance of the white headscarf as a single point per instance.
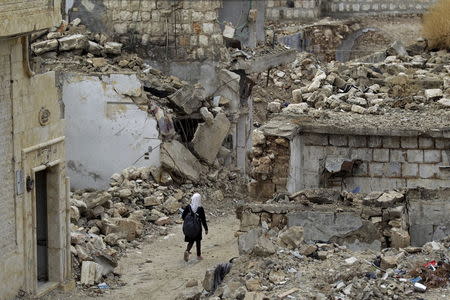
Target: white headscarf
(196, 202)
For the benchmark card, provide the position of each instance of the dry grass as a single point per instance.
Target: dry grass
(436, 25)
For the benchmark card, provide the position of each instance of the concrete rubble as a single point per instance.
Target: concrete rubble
(279, 258)
(312, 244)
(105, 223)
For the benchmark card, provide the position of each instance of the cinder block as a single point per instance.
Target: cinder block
(428, 170)
(410, 170)
(375, 141)
(376, 169)
(426, 143)
(397, 155)
(338, 140)
(364, 154)
(432, 156)
(381, 155)
(391, 142)
(415, 156)
(357, 141)
(312, 139)
(409, 142)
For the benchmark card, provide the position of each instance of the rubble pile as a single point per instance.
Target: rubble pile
(396, 80)
(140, 202)
(280, 261)
(276, 270)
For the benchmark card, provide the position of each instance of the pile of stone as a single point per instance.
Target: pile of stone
(400, 78)
(279, 264)
(73, 39)
(138, 202)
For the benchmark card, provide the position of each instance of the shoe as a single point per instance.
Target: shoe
(199, 257)
(186, 256)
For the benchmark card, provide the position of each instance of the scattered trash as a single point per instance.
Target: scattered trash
(103, 286)
(420, 287)
(415, 280)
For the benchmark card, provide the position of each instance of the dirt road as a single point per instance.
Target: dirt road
(158, 271)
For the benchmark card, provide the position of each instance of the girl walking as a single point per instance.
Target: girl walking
(194, 214)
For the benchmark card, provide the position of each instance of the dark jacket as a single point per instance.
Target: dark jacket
(201, 215)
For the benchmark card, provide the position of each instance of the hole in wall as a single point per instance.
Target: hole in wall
(186, 128)
(290, 3)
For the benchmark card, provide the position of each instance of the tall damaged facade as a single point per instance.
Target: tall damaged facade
(34, 253)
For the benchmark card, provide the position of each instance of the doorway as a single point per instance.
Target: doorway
(42, 226)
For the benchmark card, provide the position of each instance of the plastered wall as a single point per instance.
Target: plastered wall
(106, 132)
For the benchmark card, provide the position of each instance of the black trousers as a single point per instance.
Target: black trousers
(198, 245)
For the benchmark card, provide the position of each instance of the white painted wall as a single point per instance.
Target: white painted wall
(105, 131)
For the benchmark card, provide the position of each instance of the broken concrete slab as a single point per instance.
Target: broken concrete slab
(247, 241)
(127, 229)
(113, 48)
(95, 48)
(323, 226)
(179, 160)
(126, 85)
(90, 273)
(44, 46)
(292, 237)
(188, 98)
(73, 42)
(209, 138)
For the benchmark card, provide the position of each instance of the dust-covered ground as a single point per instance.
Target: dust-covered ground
(157, 270)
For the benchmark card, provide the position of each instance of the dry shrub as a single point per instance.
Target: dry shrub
(436, 25)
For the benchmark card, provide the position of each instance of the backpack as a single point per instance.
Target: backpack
(192, 226)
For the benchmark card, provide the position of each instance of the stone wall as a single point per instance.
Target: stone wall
(27, 15)
(346, 8)
(304, 10)
(180, 30)
(387, 162)
(269, 167)
(32, 131)
(293, 10)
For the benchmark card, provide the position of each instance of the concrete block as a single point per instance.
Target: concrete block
(391, 142)
(415, 156)
(400, 238)
(376, 169)
(375, 141)
(432, 156)
(426, 143)
(428, 170)
(312, 139)
(409, 142)
(397, 155)
(442, 143)
(358, 141)
(364, 154)
(393, 169)
(410, 170)
(338, 140)
(381, 155)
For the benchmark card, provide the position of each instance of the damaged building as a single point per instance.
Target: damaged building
(34, 237)
(332, 153)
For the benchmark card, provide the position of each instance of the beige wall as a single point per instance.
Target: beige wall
(20, 16)
(29, 146)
